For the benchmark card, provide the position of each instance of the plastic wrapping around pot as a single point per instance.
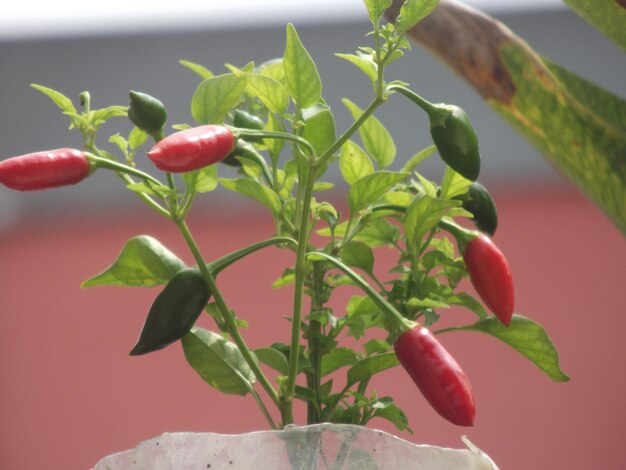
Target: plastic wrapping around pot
(315, 447)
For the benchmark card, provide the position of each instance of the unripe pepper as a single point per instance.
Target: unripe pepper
(478, 201)
(438, 376)
(146, 112)
(44, 170)
(245, 120)
(491, 276)
(456, 140)
(174, 311)
(193, 148)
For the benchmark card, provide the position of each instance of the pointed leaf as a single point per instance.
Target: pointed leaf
(215, 97)
(255, 190)
(336, 359)
(143, 262)
(269, 91)
(526, 337)
(201, 70)
(375, 8)
(354, 162)
(369, 366)
(303, 80)
(319, 128)
(369, 188)
(218, 362)
(57, 98)
(423, 215)
(413, 11)
(358, 255)
(364, 62)
(375, 137)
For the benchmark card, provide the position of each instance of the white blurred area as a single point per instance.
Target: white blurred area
(42, 18)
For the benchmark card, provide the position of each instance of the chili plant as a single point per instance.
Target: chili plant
(271, 124)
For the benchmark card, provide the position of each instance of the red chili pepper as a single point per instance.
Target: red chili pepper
(438, 376)
(44, 170)
(491, 276)
(192, 149)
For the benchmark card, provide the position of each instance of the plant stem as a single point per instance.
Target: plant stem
(227, 316)
(304, 202)
(315, 347)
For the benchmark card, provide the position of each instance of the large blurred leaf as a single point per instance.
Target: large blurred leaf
(609, 16)
(580, 128)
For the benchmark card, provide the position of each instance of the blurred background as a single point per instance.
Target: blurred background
(69, 394)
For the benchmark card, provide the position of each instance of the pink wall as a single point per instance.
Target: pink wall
(69, 394)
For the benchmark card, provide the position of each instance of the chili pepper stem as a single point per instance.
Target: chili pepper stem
(437, 114)
(124, 172)
(228, 318)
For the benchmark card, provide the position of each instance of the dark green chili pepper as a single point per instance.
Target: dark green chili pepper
(242, 149)
(478, 201)
(245, 120)
(174, 311)
(146, 112)
(456, 141)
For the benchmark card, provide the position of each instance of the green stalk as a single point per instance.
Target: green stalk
(315, 332)
(300, 273)
(227, 316)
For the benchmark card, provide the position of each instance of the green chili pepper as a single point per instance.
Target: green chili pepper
(245, 120)
(174, 311)
(146, 112)
(456, 141)
(478, 201)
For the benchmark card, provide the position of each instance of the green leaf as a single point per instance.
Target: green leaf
(57, 98)
(418, 158)
(465, 300)
(203, 180)
(273, 358)
(364, 62)
(375, 137)
(215, 97)
(609, 16)
(218, 362)
(453, 184)
(369, 366)
(394, 415)
(369, 188)
(99, 116)
(526, 337)
(273, 68)
(336, 359)
(136, 138)
(375, 8)
(354, 162)
(378, 232)
(143, 262)
(413, 11)
(376, 346)
(319, 128)
(423, 215)
(197, 68)
(269, 91)
(255, 190)
(358, 255)
(153, 189)
(303, 80)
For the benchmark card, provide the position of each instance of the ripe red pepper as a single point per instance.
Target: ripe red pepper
(438, 376)
(192, 149)
(491, 276)
(43, 170)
